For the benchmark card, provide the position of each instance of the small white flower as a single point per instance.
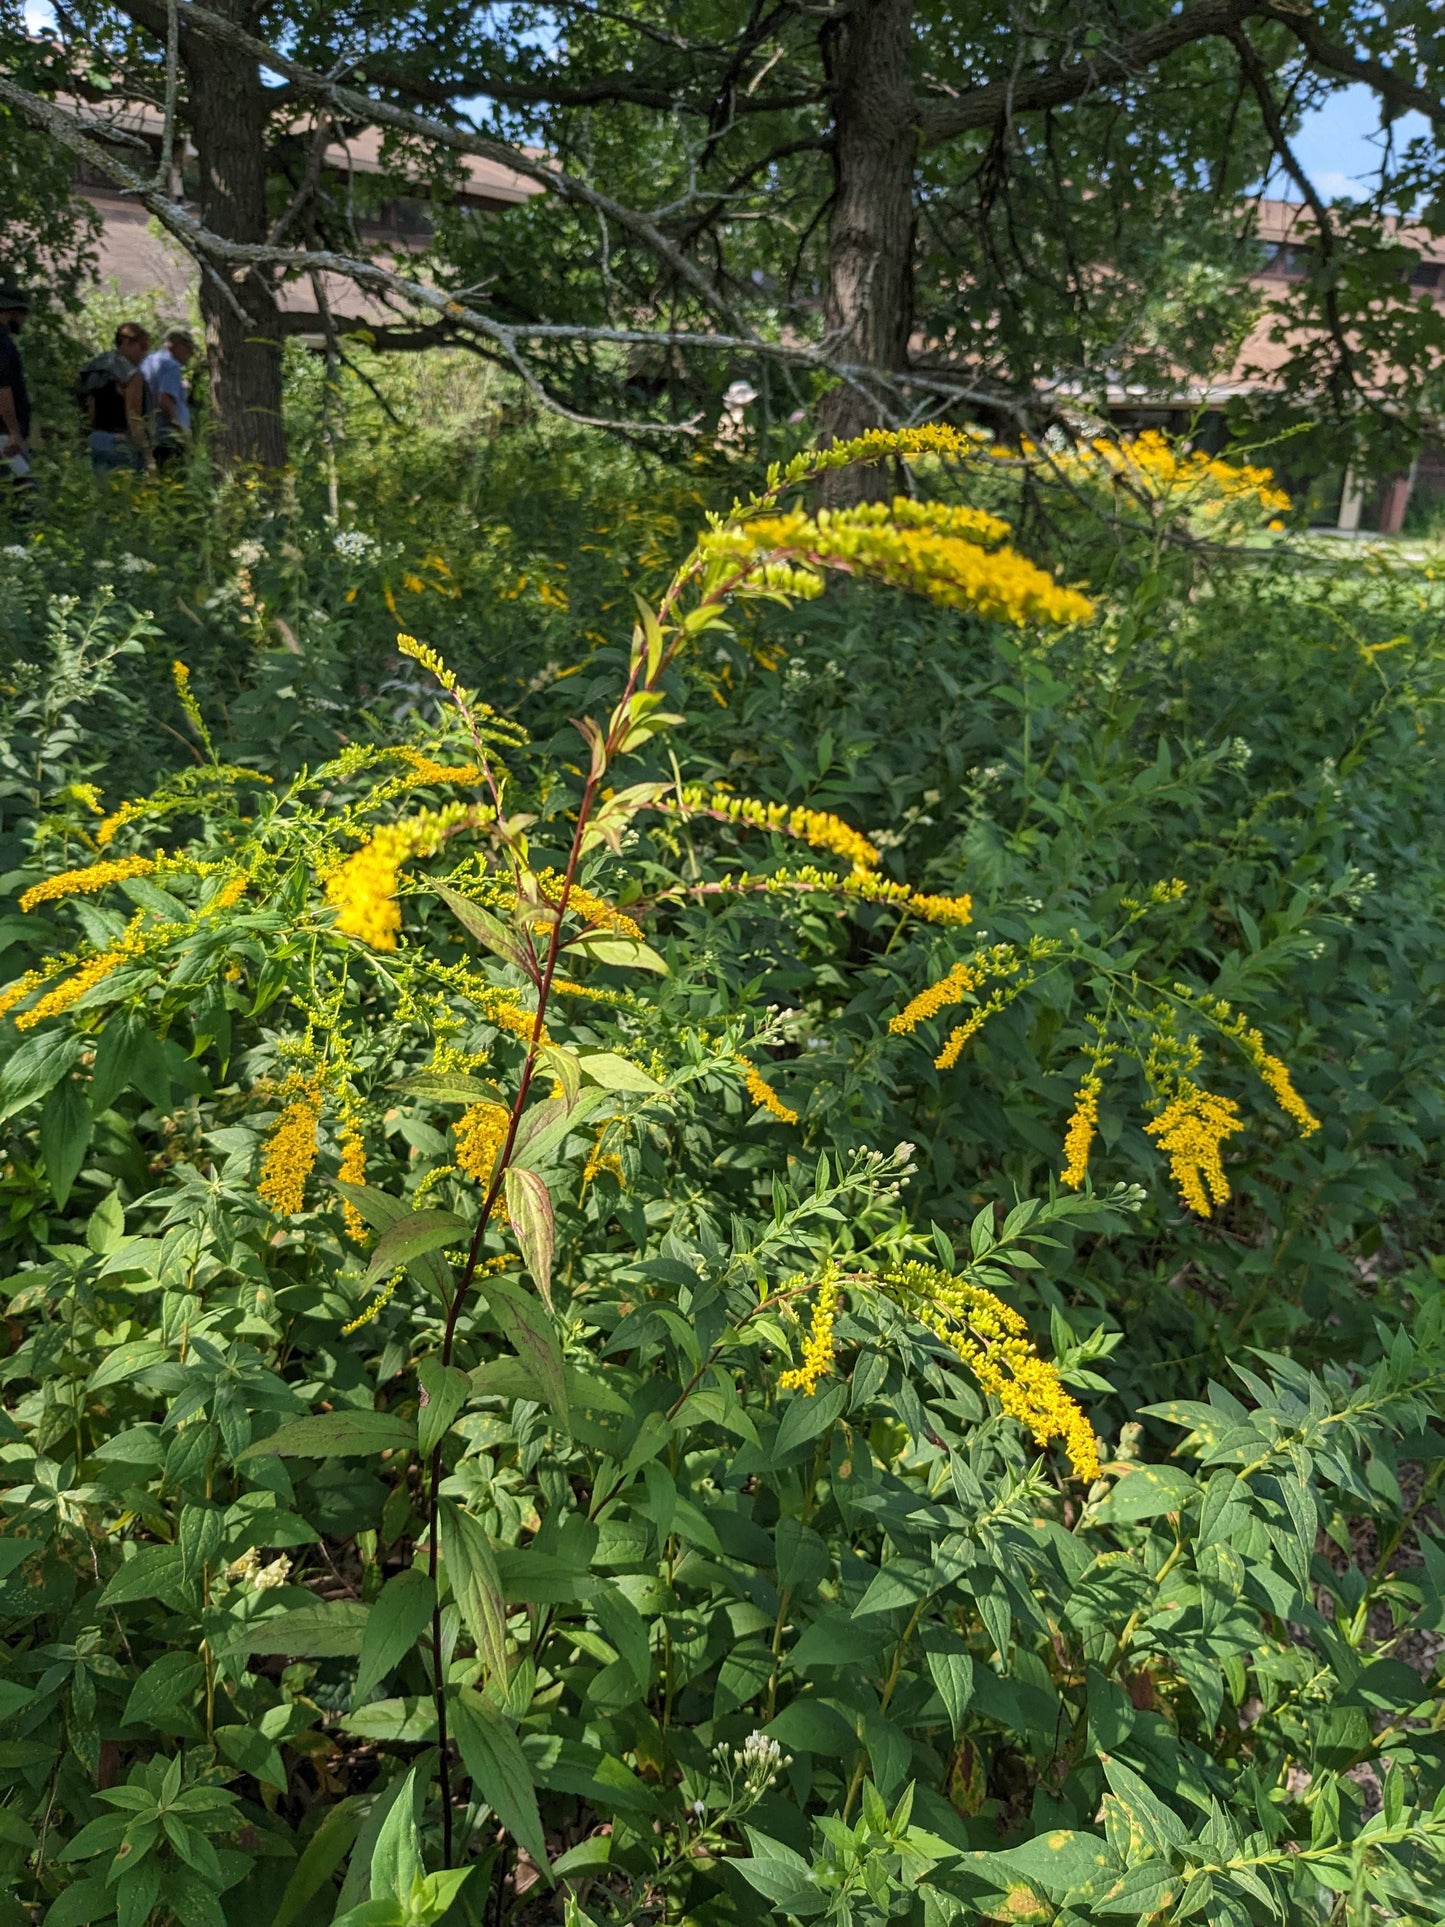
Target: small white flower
(355, 544)
(248, 553)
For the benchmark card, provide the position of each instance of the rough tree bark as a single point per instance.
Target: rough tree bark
(869, 309)
(227, 114)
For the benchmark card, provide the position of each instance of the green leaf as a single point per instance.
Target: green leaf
(400, 1615)
(804, 1418)
(493, 1757)
(148, 1575)
(349, 1433)
(449, 1087)
(615, 1073)
(396, 1858)
(627, 953)
(445, 1391)
(410, 1237)
(546, 1125)
(476, 1585)
(244, 1747)
(951, 1668)
(323, 1854)
(525, 1323)
(166, 1685)
(529, 1206)
(65, 1125)
(328, 1630)
(1061, 1861)
(489, 931)
(1145, 1494)
(781, 1876)
(36, 1068)
(129, 1360)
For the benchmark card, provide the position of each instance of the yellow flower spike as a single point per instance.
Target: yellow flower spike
(817, 827)
(1079, 1138)
(428, 658)
(378, 1304)
(87, 976)
(95, 876)
(951, 989)
(763, 1094)
(362, 890)
(290, 1151)
(1192, 1128)
(16, 993)
(181, 677)
(353, 1171)
(480, 1133)
(991, 1339)
(818, 1348)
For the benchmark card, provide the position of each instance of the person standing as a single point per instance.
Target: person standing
(14, 395)
(113, 392)
(164, 372)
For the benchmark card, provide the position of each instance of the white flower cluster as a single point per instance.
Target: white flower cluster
(136, 565)
(355, 544)
(248, 1571)
(248, 553)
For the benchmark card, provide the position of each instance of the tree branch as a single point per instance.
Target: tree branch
(999, 101)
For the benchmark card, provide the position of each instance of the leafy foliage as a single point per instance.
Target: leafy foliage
(487, 1433)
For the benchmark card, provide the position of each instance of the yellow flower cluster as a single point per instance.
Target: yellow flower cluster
(90, 973)
(425, 769)
(951, 989)
(817, 1361)
(962, 1034)
(818, 827)
(480, 1133)
(957, 911)
(1192, 1128)
(1273, 1072)
(181, 677)
(600, 1159)
(1079, 1138)
(16, 992)
(290, 1151)
(991, 1339)
(362, 890)
(763, 1094)
(594, 911)
(1153, 466)
(927, 548)
(353, 1171)
(95, 876)
(429, 659)
(954, 912)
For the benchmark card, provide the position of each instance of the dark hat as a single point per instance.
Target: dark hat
(14, 298)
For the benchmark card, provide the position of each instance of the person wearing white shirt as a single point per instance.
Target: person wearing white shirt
(164, 371)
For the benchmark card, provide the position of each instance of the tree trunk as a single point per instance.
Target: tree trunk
(227, 116)
(869, 309)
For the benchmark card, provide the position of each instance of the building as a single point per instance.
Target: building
(137, 256)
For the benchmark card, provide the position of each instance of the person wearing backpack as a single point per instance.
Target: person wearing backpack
(113, 394)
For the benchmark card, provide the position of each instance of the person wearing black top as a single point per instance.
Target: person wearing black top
(117, 402)
(14, 396)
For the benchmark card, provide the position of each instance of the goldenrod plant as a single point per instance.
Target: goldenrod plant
(487, 1439)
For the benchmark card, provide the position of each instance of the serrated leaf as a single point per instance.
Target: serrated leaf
(1145, 1494)
(489, 931)
(615, 1073)
(526, 1324)
(331, 1629)
(449, 1087)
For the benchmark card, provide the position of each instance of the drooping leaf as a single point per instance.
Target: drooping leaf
(529, 1206)
(475, 1583)
(525, 1322)
(493, 1757)
(399, 1616)
(409, 1237)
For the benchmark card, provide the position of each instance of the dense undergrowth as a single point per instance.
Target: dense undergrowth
(640, 1412)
